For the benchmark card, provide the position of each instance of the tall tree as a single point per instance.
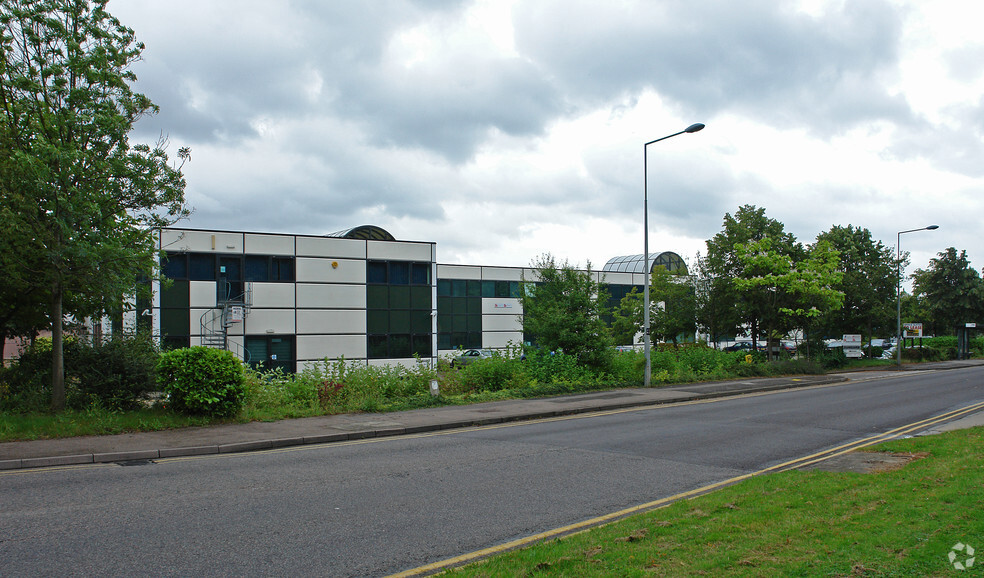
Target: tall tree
(792, 290)
(869, 284)
(953, 290)
(627, 318)
(90, 199)
(674, 308)
(564, 309)
(748, 225)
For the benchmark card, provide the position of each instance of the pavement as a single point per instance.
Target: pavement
(230, 438)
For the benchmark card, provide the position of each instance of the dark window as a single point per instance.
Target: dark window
(399, 273)
(175, 266)
(421, 274)
(376, 272)
(257, 268)
(399, 300)
(201, 267)
(271, 352)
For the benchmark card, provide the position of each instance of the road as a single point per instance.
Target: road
(376, 507)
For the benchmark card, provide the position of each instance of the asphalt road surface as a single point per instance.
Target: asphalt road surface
(380, 506)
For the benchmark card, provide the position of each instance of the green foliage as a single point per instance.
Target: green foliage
(115, 375)
(563, 311)
(202, 381)
(953, 290)
(79, 202)
(627, 318)
(673, 308)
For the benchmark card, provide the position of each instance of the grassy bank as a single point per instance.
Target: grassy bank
(902, 522)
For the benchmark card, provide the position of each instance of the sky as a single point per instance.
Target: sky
(505, 130)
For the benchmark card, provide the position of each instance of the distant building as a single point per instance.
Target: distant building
(290, 301)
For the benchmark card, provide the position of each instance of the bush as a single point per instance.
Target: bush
(202, 381)
(118, 374)
(115, 375)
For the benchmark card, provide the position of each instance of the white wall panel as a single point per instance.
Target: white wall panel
(501, 340)
(279, 321)
(458, 272)
(501, 306)
(330, 270)
(332, 247)
(502, 273)
(201, 294)
(204, 242)
(331, 321)
(269, 244)
(328, 296)
(399, 251)
(331, 346)
(273, 294)
(501, 323)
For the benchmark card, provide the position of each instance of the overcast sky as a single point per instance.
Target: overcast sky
(503, 130)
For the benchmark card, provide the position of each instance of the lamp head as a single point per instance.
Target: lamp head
(694, 127)
(932, 227)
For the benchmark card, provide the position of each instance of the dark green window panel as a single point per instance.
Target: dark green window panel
(377, 321)
(399, 346)
(502, 288)
(422, 345)
(282, 269)
(444, 306)
(175, 322)
(444, 341)
(474, 307)
(474, 288)
(420, 321)
(488, 288)
(443, 287)
(420, 274)
(257, 268)
(514, 289)
(377, 297)
(376, 272)
(399, 273)
(459, 288)
(399, 321)
(176, 295)
(201, 267)
(378, 346)
(258, 348)
(459, 339)
(175, 266)
(399, 297)
(459, 323)
(459, 306)
(443, 323)
(474, 322)
(474, 340)
(420, 298)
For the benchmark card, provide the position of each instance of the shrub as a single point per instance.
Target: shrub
(202, 381)
(117, 374)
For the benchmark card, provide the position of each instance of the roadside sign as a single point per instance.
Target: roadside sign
(852, 346)
(912, 330)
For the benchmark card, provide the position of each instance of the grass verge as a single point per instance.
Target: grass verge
(799, 523)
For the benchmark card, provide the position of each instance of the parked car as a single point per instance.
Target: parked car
(470, 356)
(740, 346)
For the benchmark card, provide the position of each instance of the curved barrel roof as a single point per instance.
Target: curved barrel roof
(637, 263)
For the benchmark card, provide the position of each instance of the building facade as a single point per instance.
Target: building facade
(290, 301)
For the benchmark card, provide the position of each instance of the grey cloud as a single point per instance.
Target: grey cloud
(709, 57)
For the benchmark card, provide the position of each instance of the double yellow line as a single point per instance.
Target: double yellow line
(655, 504)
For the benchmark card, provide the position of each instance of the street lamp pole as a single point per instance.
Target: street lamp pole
(898, 297)
(645, 225)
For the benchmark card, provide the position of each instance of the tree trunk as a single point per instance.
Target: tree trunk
(57, 352)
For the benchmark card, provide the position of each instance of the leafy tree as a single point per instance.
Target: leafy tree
(627, 318)
(716, 314)
(76, 193)
(869, 284)
(953, 290)
(563, 310)
(673, 310)
(754, 307)
(792, 291)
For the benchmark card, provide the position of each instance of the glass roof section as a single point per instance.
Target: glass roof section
(366, 232)
(637, 263)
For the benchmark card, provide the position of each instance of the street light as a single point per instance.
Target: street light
(898, 299)
(645, 225)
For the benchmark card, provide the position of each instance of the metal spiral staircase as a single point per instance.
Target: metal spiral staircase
(229, 310)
